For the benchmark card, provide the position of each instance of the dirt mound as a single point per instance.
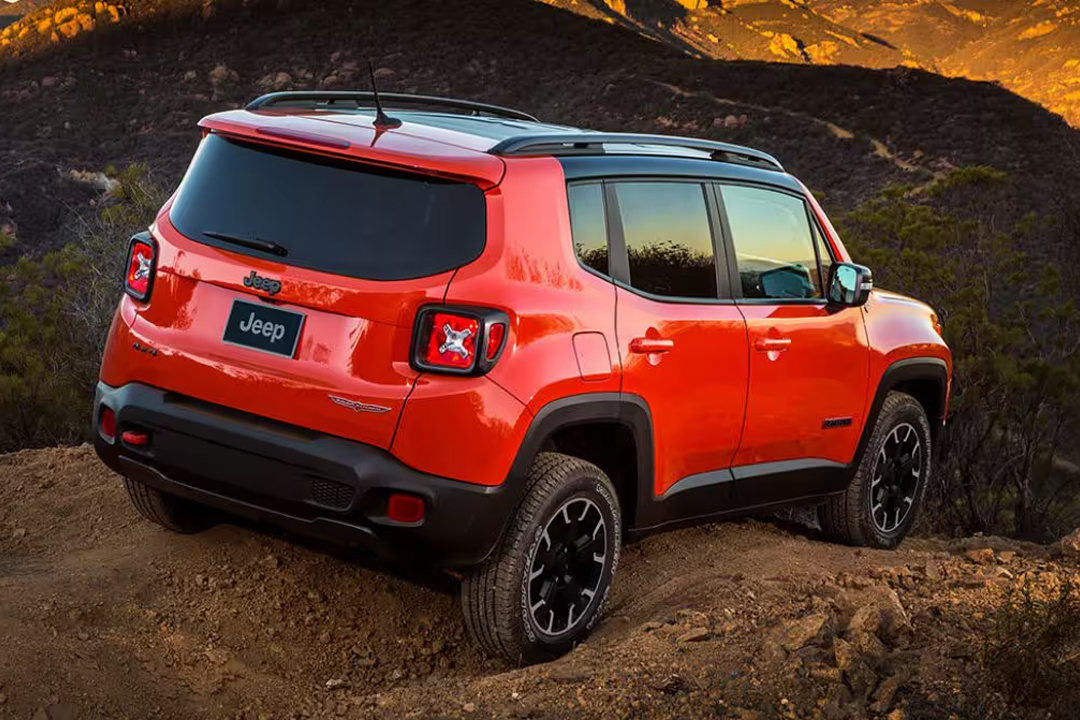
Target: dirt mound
(103, 615)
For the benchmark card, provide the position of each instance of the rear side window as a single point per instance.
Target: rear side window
(588, 225)
(774, 244)
(336, 216)
(668, 238)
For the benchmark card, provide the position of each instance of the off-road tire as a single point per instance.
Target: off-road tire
(847, 518)
(168, 511)
(494, 595)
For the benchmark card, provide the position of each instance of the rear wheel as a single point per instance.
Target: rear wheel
(881, 503)
(168, 511)
(544, 587)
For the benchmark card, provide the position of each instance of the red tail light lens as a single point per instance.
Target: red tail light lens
(495, 339)
(142, 259)
(452, 341)
(458, 340)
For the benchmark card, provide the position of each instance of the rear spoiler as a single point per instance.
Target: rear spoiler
(396, 150)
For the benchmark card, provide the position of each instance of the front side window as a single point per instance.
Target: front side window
(774, 244)
(668, 238)
(588, 226)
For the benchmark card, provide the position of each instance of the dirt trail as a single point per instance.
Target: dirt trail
(103, 615)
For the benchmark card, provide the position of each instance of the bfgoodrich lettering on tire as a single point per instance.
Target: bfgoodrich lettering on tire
(881, 503)
(544, 586)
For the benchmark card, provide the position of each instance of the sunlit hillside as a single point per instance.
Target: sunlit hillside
(1031, 47)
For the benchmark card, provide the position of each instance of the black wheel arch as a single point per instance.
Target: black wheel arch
(627, 411)
(924, 378)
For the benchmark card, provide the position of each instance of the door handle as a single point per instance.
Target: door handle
(769, 344)
(651, 345)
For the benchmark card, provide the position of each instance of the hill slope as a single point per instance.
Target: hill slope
(133, 90)
(1029, 47)
(104, 615)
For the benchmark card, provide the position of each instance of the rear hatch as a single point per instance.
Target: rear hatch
(288, 280)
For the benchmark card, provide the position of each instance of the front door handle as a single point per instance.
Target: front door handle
(649, 346)
(769, 344)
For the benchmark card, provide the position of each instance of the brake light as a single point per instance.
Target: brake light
(452, 341)
(142, 259)
(458, 340)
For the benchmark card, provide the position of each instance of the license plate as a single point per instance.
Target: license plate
(261, 327)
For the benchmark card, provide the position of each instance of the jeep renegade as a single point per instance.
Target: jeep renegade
(464, 338)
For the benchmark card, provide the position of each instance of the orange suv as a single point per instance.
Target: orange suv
(468, 339)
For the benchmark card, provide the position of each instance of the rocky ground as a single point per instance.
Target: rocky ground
(103, 615)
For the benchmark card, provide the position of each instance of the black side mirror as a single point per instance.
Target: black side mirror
(849, 285)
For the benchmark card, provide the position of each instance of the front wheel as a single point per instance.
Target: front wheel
(881, 503)
(542, 590)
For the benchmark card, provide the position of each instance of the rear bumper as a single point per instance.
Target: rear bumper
(298, 479)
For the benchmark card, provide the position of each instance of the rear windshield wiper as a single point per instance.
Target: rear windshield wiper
(254, 243)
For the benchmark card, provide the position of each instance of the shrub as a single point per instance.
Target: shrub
(54, 314)
(1014, 334)
(1032, 651)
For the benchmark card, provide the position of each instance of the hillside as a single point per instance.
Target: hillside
(1029, 47)
(104, 615)
(133, 83)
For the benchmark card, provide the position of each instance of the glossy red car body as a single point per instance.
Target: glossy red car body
(682, 390)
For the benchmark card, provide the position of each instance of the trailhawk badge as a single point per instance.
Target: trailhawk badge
(357, 406)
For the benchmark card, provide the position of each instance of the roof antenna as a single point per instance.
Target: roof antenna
(382, 120)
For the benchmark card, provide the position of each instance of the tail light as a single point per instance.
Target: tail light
(141, 265)
(458, 340)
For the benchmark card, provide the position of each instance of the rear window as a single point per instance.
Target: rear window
(337, 216)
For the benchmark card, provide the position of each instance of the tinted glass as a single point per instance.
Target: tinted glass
(774, 246)
(332, 215)
(588, 226)
(826, 259)
(668, 238)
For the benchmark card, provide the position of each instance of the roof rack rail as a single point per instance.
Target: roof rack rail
(589, 143)
(328, 98)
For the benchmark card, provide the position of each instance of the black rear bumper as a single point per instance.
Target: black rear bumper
(297, 479)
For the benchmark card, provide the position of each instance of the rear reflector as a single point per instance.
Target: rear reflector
(107, 423)
(134, 437)
(496, 333)
(404, 508)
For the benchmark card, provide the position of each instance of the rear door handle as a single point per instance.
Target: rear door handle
(651, 345)
(768, 344)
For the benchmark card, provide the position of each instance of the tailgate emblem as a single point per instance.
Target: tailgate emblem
(272, 287)
(357, 406)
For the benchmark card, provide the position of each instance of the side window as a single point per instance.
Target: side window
(774, 243)
(588, 225)
(668, 238)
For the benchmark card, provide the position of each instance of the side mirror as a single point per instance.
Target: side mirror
(849, 285)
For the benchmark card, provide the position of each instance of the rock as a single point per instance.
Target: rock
(694, 635)
(797, 634)
(383, 73)
(18, 534)
(883, 696)
(48, 82)
(335, 683)
(881, 613)
(275, 81)
(221, 75)
(896, 714)
(1070, 544)
(190, 75)
(1006, 556)
(469, 707)
(981, 556)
